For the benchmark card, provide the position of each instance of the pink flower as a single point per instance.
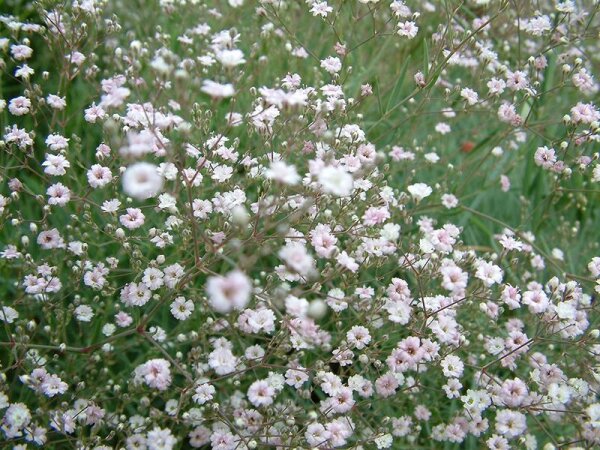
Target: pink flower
(155, 373)
(386, 385)
(58, 194)
(133, 219)
(99, 176)
(323, 240)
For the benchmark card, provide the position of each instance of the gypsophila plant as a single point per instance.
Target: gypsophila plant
(318, 224)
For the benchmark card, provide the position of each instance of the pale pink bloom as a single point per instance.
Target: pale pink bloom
(345, 260)
(470, 96)
(56, 102)
(296, 377)
(585, 113)
(386, 385)
(222, 360)
(537, 301)
(449, 201)
(57, 142)
(201, 208)
(320, 8)
(496, 86)
(504, 183)
(99, 176)
(422, 413)
(545, 157)
(229, 292)
(376, 215)
(508, 113)
(331, 384)
(261, 393)
(339, 431)
(323, 240)
(510, 423)
(122, 319)
(50, 239)
(336, 181)
(514, 392)
(19, 106)
(134, 294)
(419, 191)
(488, 273)
(53, 385)
(517, 81)
(408, 29)
(297, 258)
(358, 337)
(94, 113)
(58, 194)
(155, 373)
(161, 439)
(133, 219)
(332, 64)
(316, 435)
(19, 137)
(511, 297)
(204, 393)
(111, 206)
(342, 402)
(21, 52)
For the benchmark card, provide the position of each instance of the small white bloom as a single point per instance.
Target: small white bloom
(336, 181)
(419, 191)
(142, 181)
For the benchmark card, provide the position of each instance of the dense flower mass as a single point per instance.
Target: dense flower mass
(318, 224)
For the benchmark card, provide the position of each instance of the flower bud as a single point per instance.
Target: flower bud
(317, 309)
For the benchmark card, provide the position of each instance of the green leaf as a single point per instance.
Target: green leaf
(395, 95)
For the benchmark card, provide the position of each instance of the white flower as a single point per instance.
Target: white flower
(282, 172)
(99, 176)
(449, 201)
(408, 29)
(594, 266)
(566, 310)
(155, 373)
(390, 231)
(488, 273)
(217, 90)
(142, 181)
(167, 202)
(19, 106)
(384, 441)
(182, 308)
(469, 95)
(230, 58)
(296, 257)
(596, 173)
(419, 191)
(8, 314)
(332, 64)
(84, 313)
(336, 181)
